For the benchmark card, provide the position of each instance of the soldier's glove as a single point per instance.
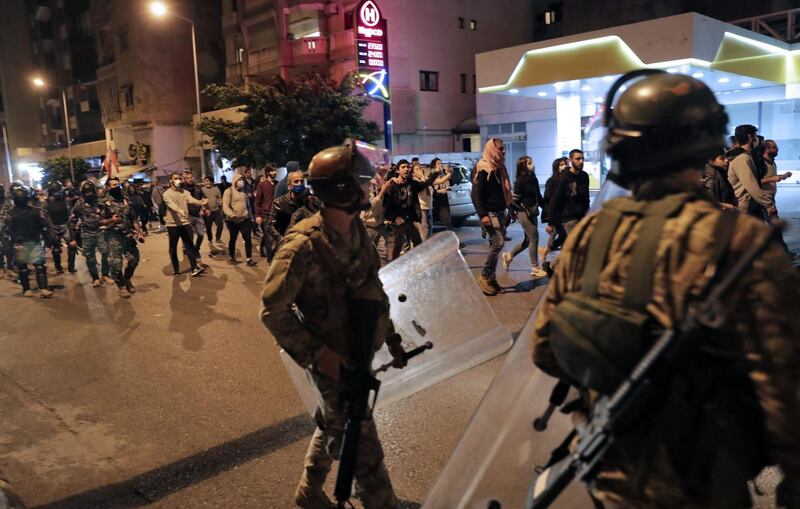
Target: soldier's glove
(398, 354)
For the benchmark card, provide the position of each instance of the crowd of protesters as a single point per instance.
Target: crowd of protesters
(109, 220)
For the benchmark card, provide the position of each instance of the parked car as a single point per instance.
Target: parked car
(459, 196)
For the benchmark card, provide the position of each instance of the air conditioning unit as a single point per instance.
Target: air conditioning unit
(330, 9)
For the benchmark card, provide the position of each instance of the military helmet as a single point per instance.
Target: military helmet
(337, 176)
(88, 187)
(20, 193)
(661, 123)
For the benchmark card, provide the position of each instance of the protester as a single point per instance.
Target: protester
(265, 195)
(715, 180)
(283, 186)
(373, 218)
(491, 196)
(239, 218)
(570, 200)
(197, 213)
(214, 216)
(283, 207)
(769, 182)
(157, 197)
(556, 233)
(179, 224)
(425, 202)
(402, 206)
(742, 174)
(527, 201)
(223, 184)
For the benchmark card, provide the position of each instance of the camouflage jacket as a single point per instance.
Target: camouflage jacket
(305, 295)
(109, 207)
(85, 218)
(5, 208)
(760, 329)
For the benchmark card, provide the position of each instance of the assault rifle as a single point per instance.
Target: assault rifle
(359, 387)
(611, 414)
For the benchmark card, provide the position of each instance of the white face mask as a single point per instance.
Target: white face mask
(176, 183)
(240, 184)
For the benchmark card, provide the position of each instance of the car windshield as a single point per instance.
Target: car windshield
(461, 175)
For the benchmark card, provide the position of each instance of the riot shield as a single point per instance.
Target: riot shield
(496, 459)
(434, 298)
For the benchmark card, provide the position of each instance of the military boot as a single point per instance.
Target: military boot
(311, 498)
(123, 292)
(41, 281)
(129, 286)
(486, 285)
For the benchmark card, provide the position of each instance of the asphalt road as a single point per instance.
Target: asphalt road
(177, 397)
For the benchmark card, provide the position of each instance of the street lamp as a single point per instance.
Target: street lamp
(159, 10)
(40, 83)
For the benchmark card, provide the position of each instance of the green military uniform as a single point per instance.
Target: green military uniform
(317, 270)
(759, 340)
(85, 225)
(119, 239)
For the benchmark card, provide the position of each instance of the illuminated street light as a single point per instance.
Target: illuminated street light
(40, 83)
(159, 10)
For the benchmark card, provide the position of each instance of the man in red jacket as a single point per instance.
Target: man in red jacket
(264, 197)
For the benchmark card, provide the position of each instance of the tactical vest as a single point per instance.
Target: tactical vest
(707, 415)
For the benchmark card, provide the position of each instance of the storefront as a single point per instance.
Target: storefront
(544, 99)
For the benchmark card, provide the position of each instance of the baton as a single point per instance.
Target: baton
(406, 357)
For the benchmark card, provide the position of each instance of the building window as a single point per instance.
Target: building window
(474, 84)
(549, 17)
(473, 25)
(234, 5)
(349, 19)
(460, 23)
(123, 40)
(429, 81)
(239, 55)
(463, 83)
(127, 91)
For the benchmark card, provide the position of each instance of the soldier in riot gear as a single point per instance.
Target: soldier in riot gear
(321, 264)
(85, 225)
(637, 267)
(121, 233)
(57, 208)
(28, 229)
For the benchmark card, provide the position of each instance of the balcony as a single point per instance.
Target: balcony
(342, 45)
(310, 51)
(263, 61)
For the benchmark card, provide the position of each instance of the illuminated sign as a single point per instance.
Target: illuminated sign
(372, 46)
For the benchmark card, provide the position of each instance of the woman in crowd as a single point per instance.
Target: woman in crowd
(527, 201)
(557, 234)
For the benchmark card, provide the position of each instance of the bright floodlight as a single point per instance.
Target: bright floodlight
(39, 82)
(158, 8)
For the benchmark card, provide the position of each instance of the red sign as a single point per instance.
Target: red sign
(371, 37)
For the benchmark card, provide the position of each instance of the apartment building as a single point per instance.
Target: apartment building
(432, 48)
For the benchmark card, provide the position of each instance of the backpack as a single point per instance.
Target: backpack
(706, 415)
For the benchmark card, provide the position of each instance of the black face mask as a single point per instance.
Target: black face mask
(116, 193)
(90, 197)
(21, 201)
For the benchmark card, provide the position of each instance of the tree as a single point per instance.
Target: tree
(288, 120)
(57, 168)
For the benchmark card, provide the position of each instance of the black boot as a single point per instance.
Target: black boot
(24, 281)
(57, 261)
(71, 260)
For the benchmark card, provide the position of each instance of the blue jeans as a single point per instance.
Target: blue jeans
(495, 231)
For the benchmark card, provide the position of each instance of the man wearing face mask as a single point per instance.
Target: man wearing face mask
(283, 207)
(265, 196)
(85, 225)
(178, 225)
(214, 216)
(58, 210)
(322, 264)
(239, 218)
(196, 213)
(28, 228)
(743, 176)
(122, 232)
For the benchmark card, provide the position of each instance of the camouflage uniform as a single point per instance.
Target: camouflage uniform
(302, 274)
(119, 239)
(85, 225)
(6, 248)
(58, 213)
(757, 329)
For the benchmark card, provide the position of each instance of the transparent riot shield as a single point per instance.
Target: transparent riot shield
(434, 297)
(496, 459)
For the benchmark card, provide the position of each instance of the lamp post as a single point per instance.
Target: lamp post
(40, 83)
(159, 10)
